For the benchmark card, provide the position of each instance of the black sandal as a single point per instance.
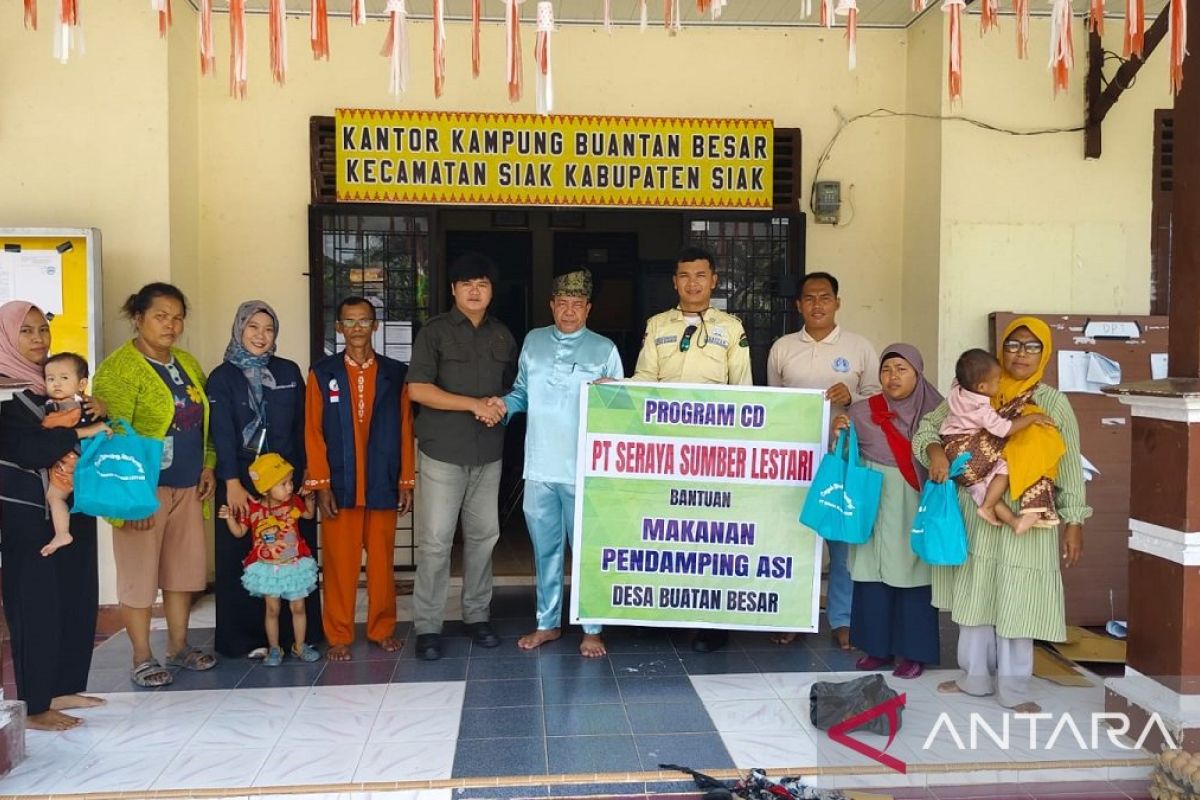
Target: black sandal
(150, 674)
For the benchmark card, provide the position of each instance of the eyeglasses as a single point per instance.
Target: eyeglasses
(356, 323)
(686, 341)
(1032, 348)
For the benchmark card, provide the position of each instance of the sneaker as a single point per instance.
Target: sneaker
(274, 657)
(306, 653)
(908, 669)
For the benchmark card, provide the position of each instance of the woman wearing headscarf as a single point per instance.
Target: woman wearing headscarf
(257, 407)
(1009, 592)
(893, 620)
(49, 601)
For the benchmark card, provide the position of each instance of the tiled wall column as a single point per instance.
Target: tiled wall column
(1162, 675)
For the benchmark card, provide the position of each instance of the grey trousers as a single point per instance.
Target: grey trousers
(446, 492)
(994, 665)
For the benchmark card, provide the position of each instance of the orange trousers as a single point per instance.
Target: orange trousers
(343, 539)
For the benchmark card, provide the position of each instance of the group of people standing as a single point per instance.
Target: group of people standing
(254, 427)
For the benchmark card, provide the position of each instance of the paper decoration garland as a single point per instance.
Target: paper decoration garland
(1177, 27)
(917, 6)
(1135, 27)
(68, 36)
(318, 28)
(512, 69)
(849, 10)
(358, 12)
(608, 23)
(31, 14)
(395, 47)
(672, 16)
(1096, 16)
(208, 53)
(989, 16)
(1062, 50)
(827, 14)
(237, 48)
(277, 27)
(476, 13)
(163, 9)
(1021, 9)
(439, 46)
(953, 9)
(544, 91)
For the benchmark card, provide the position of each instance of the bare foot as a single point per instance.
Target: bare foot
(1027, 708)
(949, 687)
(988, 515)
(59, 540)
(1026, 522)
(389, 644)
(339, 652)
(52, 720)
(68, 701)
(841, 637)
(784, 638)
(532, 641)
(592, 646)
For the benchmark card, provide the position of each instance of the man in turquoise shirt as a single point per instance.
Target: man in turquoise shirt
(555, 363)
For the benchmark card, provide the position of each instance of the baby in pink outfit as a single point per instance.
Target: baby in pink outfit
(974, 426)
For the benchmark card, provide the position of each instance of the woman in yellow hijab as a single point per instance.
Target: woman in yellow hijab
(1009, 592)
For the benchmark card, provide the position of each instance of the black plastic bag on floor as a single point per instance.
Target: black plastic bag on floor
(831, 703)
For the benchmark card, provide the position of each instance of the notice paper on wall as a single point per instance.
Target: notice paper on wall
(34, 276)
(1158, 366)
(1080, 371)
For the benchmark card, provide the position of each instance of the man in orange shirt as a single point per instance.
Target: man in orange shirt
(359, 445)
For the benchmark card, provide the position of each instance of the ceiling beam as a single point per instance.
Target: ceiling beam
(1100, 102)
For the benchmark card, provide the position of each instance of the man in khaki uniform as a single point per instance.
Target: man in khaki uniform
(695, 343)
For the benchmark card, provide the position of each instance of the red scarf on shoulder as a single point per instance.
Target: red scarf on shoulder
(901, 447)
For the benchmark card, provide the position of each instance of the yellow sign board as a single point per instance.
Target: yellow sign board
(524, 159)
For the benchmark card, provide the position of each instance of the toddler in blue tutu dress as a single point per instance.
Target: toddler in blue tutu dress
(279, 566)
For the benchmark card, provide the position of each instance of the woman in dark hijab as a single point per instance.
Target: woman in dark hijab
(894, 621)
(257, 401)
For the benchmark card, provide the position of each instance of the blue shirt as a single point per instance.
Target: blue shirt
(551, 371)
(183, 446)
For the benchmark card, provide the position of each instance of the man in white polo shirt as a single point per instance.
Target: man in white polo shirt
(823, 356)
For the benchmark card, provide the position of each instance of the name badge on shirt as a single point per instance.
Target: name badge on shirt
(841, 365)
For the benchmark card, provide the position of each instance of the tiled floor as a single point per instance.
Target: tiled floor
(481, 714)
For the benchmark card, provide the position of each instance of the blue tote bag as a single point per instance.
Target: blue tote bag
(117, 476)
(939, 535)
(843, 500)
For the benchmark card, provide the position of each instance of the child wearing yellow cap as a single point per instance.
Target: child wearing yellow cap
(279, 566)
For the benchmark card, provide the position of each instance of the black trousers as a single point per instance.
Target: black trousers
(50, 603)
(888, 621)
(239, 615)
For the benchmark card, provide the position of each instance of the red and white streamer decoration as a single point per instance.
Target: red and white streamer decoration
(476, 13)
(644, 23)
(31, 14)
(918, 6)
(318, 28)
(672, 16)
(806, 8)
(827, 14)
(711, 7)
(1135, 27)
(1021, 10)
(608, 23)
(849, 10)
(395, 47)
(544, 92)
(1096, 16)
(358, 12)
(208, 52)
(277, 25)
(954, 9)
(68, 36)
(1062, 50)
(237, 48)
(989, 16)
(163, 8)
(1177, 28)
(439, 46)
(512, 31)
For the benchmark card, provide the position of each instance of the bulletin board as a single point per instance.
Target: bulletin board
(28, 260)
(1097, 588)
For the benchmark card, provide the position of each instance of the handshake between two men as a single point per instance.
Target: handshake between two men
(489, 410)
